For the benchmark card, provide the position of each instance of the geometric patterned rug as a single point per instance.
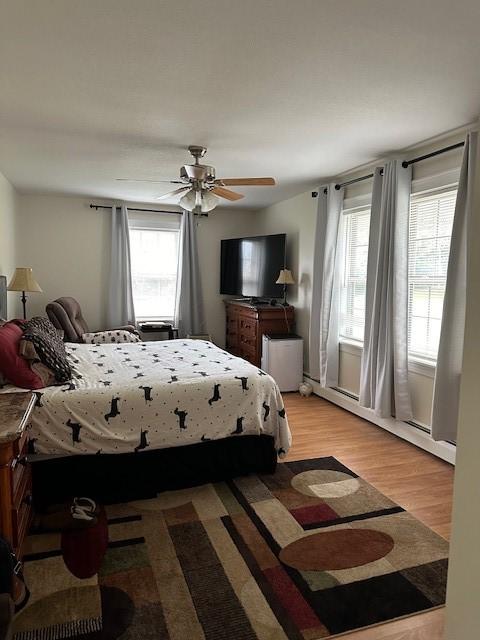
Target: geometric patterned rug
(309, 552)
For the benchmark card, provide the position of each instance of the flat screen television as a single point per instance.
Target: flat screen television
(250, 266)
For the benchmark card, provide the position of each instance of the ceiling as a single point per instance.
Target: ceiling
(300, 90)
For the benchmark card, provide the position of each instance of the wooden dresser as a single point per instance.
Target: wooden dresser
(15, 471)
(247, 323)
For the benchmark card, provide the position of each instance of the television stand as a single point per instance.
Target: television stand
(247, 322)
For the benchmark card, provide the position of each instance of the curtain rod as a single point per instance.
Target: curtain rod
(355, 180)
(175, 213)
(405, 164)
(104, 206)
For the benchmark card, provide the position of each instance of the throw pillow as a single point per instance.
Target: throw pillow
(104, 337)
(49, 347)
(13, 367)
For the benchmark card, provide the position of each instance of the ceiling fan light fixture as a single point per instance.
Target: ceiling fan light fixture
(209, 201)
(201, 201)
(189, 200)
(201, 190)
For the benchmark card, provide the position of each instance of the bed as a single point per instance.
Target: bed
(140, 418)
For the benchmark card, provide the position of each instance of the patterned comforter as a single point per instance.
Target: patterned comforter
(135, 397)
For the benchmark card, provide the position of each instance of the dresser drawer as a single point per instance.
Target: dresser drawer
(22, 507)
(19, 467)
(248, 327)
(248, 355)
(246, 323)
(15, 472)
(248, 343)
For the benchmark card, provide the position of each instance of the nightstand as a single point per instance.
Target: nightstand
(15, 471)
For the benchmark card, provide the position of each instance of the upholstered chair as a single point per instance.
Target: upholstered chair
(66, 314)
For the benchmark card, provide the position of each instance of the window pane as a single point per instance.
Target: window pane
(154, 254)
(430, 228)
(356, 229)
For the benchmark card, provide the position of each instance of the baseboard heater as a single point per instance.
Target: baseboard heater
(412, 423)
(419, 435)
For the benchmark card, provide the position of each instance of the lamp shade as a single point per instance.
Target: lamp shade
(285, 277)
(209, 201)
(200, 201)
(23, 280)
(189, 200)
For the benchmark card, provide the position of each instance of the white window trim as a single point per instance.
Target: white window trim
(156, 221)
(147, 221)
(446, 180)
(419, 366)
(425, 365)
(353, 347)
(355, 205)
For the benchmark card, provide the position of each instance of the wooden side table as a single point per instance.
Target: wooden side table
(15, 471)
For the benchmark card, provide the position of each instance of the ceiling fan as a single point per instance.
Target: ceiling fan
(201, 190)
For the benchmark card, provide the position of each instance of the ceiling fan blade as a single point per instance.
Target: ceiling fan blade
(226, 193)
(245, 182)
(175, 192)
(153, 181)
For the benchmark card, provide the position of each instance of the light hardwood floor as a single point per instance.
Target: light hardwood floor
(416, 480)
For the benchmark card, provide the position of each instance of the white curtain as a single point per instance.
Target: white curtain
(324, 317)
(120, 309)
(189, 315)
(384, 367)
(450, 351)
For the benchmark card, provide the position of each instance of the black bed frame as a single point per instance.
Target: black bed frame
(133, 476)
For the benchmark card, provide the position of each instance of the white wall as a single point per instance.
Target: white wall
(8, 258)
(463, 594)
(68, 246)
(295, 217)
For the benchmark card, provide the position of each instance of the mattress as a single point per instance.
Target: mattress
(127, 398)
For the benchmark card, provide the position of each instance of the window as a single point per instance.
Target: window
(356, 231)
(430, 230)
(154, 257)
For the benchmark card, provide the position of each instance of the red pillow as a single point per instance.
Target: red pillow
(13, 367)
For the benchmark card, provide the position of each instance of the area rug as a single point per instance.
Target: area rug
(309, 552)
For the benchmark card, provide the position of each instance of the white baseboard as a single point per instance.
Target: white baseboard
(403, 430)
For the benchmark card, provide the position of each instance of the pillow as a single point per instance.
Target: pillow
(117, 335)
(27, 350)
(48, 346)
(12, 366)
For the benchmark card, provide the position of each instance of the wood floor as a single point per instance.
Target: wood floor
(413, 478)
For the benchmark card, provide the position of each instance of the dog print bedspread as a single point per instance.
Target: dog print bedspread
(152, 395)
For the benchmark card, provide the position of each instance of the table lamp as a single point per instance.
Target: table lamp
(23, 280)
(285, 277)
